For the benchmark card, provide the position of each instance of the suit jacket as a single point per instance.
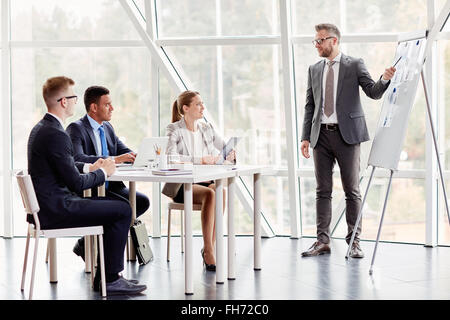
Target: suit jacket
(177, 145)
(352, 124)
(55, 175)
(85, 147)
(83, 140)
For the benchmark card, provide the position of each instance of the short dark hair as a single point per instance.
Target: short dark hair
(331, 28)
(93, 95)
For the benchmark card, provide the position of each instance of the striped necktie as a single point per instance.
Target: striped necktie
(329, 90)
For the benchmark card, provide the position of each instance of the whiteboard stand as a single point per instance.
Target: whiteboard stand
(390, 181)
(383, 137)
(381, 223)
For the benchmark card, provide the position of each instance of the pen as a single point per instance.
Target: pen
(397, 62)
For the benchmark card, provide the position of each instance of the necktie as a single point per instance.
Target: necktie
(103, 141)
(104, 146)
(329, 90)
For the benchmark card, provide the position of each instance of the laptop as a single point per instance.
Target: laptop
(231, 144)
(146, 153)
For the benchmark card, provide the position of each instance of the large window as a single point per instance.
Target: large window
(369, 16)
(121, 70)
(52, 20)
(250, 107)
(235, 62)
(383, 17)
(203, 18)
(444, 103)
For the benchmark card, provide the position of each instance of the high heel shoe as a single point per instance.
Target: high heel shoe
(209, 267)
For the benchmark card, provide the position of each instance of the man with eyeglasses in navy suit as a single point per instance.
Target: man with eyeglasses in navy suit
(57, 180)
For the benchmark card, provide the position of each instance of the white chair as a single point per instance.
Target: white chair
(180, 207)
(32, 207)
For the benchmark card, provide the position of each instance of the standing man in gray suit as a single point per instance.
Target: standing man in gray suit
(334, 126)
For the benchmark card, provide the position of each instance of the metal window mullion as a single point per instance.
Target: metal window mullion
(219, 70)
(151, 25)
(280, 194)
(290, 116)
(431, 182)
(8, 231)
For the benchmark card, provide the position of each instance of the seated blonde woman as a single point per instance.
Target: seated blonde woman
(195, 141)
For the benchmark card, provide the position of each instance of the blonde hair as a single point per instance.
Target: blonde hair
(185, 98)
(54, 87)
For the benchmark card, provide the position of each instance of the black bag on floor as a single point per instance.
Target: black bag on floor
(139, 236)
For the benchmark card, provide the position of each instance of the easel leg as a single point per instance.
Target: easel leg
(381, 223)
(359, 215)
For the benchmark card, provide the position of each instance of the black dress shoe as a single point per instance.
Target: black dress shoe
(78, 249)
(317, 249)
(356, 251)
(123, 287)
(208, 267)
(96, 286)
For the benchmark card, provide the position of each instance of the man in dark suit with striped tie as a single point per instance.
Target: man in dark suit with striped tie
(334, 126)
(93, 138)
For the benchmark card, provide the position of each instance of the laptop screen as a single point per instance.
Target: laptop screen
(148, 149)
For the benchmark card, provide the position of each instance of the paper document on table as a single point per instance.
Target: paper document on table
(170, 172)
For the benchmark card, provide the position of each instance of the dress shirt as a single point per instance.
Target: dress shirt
(95, 125)
(195, 143)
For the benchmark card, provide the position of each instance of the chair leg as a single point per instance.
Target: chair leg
(25, 261)
(102, 265)
(53, 263)
(47, 253)
(33, 269)
(87, 254)
(182, 230)
(168, 233)
(94, 247)
(127, 249)
(92, 257)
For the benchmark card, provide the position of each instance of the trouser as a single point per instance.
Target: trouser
(115, 217)
(118, 191)
(329, 149)
(142, 201)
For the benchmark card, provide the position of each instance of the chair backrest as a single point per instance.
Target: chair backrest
(27, 192)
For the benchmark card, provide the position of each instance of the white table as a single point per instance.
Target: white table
(201, 175)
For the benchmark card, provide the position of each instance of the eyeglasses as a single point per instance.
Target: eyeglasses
(320, 41)
(69, 97)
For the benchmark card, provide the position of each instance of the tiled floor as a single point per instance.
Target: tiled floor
(401, 272)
